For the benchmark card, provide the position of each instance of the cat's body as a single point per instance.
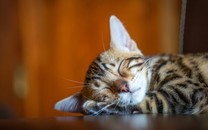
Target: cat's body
(177, 84)
(121, 81)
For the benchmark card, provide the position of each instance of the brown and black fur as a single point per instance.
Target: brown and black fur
(178, 86)
(122, 81)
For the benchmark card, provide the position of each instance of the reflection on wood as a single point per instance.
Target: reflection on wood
(112, 122)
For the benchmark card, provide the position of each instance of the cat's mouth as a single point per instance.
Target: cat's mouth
(133, 91)
(128, 98)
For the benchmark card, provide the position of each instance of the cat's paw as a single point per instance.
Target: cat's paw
(91, 107)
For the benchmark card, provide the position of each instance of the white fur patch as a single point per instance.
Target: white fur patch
(137, 89)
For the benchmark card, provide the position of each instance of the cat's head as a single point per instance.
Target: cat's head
(117, 74)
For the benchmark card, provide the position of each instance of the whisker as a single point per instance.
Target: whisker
(103, 42)
(99, 111)
(74, 81)
(117, 104)
(78, 86)
(86, 97)
(135, 77)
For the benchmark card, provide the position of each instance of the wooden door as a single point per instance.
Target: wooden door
(196, 27)
(58, 39)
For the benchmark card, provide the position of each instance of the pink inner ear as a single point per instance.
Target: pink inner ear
(130, 46)
(119, 36)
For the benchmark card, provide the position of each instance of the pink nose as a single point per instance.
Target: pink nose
(121, 85)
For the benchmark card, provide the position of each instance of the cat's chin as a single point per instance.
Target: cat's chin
(137, 96)
(132, 97)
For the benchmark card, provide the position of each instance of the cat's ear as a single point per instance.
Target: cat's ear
(120, 38)
(70, 104)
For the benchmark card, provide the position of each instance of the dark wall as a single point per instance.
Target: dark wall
(196, 27)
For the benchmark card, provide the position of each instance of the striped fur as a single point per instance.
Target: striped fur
(122, 81)
(177, 85)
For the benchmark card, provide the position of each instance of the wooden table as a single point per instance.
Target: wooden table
(128, 122)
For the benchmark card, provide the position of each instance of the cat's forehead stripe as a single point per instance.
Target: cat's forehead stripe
(95, 72)
(97, 69)
(134, 58)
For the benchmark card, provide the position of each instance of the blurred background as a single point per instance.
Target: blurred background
(44, 44)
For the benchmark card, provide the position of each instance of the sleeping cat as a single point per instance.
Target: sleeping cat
(122, 81)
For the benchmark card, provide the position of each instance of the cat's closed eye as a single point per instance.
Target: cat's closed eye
(134, 62)
(105, 95)
(102, 98)
(135, 65)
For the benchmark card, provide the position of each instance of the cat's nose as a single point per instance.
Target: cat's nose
(121, 85)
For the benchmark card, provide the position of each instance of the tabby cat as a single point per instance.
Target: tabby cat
(122, 81)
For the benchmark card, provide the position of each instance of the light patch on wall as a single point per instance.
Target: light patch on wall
(20, 82)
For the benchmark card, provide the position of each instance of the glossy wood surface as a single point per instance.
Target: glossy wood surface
(128, 122)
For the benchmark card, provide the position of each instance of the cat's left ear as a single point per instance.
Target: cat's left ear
(70, 104)
(120, 38)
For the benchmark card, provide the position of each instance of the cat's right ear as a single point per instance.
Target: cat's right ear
(120, 38)
(70, 104)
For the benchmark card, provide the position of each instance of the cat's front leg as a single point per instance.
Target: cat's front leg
(154, 103)
(91, 107)
(162, 102)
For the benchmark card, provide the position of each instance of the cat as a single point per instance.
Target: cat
(122, 81)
